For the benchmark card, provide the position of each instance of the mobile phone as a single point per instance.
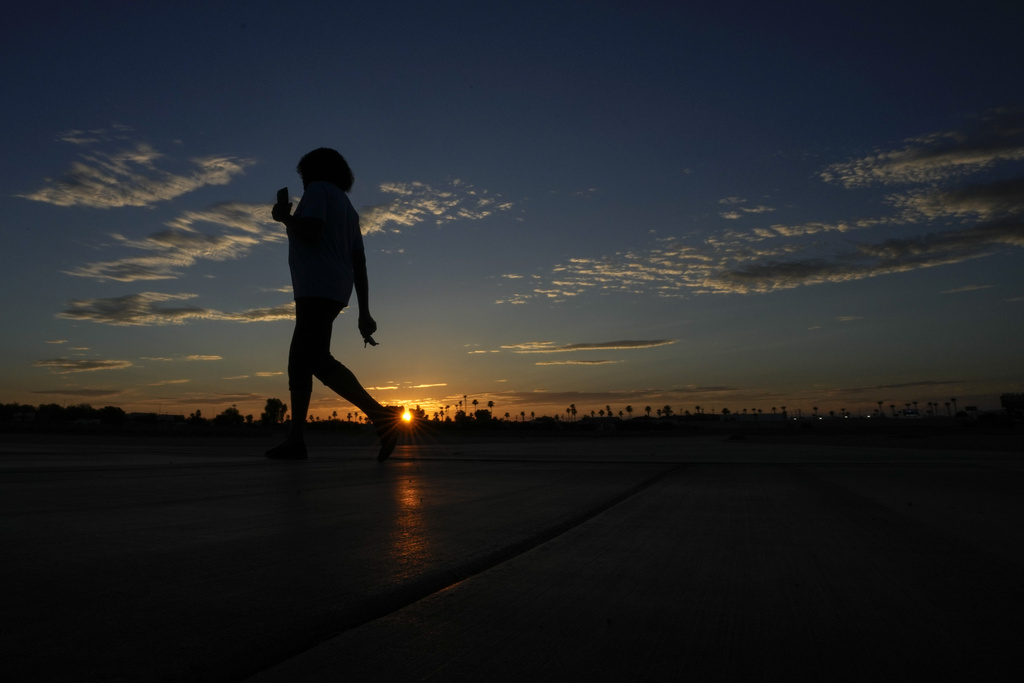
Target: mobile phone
(282, 195)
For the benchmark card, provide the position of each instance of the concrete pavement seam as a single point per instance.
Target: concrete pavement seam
(381, 606)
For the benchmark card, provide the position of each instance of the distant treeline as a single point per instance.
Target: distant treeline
(56, 413)
(83, 413)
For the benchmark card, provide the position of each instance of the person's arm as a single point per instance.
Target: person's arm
(306, 228)
(367, 325)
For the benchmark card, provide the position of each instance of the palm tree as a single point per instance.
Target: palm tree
(647, 409)
(784, 416)
(892, 407)
(954, 405)
(522, 416)
(629, 411)
(667, 410)
(490, 405)
(572, 406)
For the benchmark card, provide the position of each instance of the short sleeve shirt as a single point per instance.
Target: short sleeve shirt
(325, 270)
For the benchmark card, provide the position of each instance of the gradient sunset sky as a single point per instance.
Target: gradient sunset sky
(732, 204)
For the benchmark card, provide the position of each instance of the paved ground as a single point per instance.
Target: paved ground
(646, 559)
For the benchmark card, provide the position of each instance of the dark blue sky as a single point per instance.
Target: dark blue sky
(747, 205)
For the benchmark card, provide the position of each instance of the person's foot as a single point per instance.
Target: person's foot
(387, 428)
(292, 449)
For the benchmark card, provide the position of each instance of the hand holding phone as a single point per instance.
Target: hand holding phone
(282, 211)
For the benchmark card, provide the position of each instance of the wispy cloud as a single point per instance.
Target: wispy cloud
(738, 209)
(239, 227)
(80, 393)
(64, 366)
(995, 137)
(577, 362)
(130, 176)
(968, 222)
(814, 228)
(244, 217)
(905, 385)
(550, 347)
(154, 308)
(416, 202)
(169, 251)
(869, 260)
(988, 201)
(966, 288)
(224, 399)
(116, 133)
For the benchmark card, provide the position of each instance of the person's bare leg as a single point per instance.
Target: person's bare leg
(294, 446)
(300, 408)
(344, 384)
(385, 419)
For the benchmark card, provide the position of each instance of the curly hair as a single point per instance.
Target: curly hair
(327, 165)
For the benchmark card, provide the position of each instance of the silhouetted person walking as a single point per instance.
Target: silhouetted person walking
(326, 258)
